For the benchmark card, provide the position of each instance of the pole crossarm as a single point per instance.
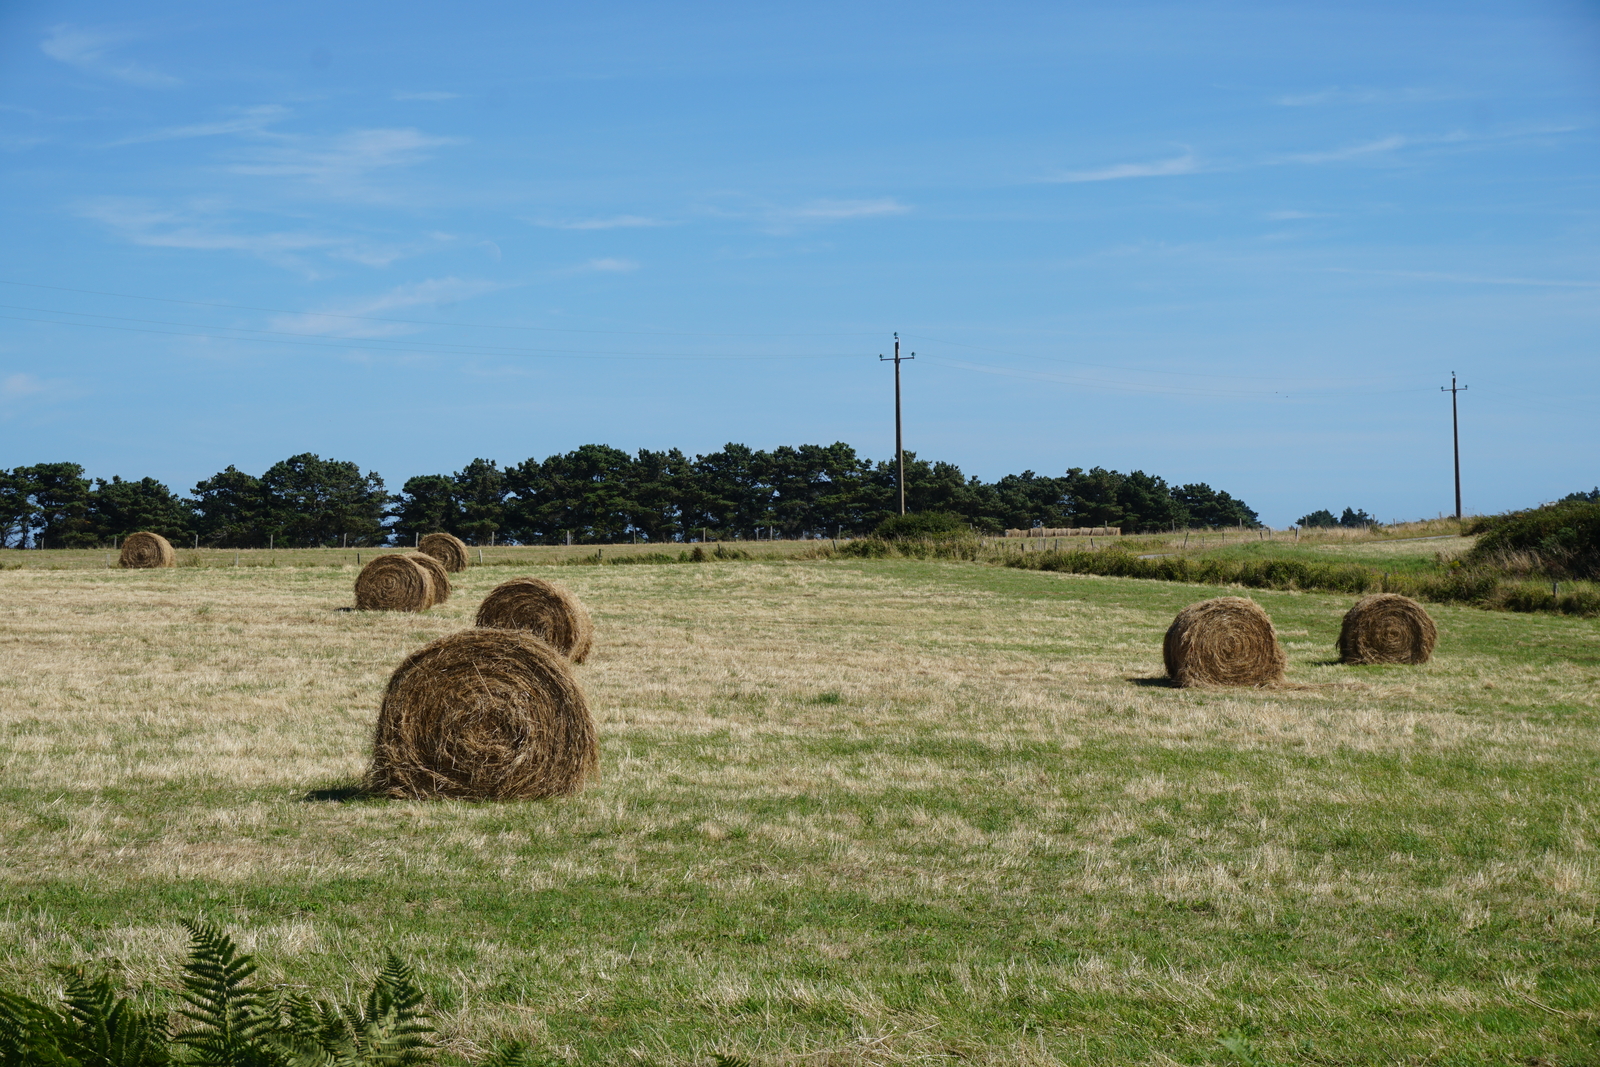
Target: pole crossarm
(899, 448)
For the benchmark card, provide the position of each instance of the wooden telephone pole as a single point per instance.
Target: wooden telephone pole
(899, 447)
(1455, 434)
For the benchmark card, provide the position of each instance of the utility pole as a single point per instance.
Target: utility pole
(899, 447)
(1455, 434)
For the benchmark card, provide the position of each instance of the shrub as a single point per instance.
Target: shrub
(1560, 540)
(922, 525)
(1319, 518)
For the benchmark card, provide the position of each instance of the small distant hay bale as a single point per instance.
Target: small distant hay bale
(1225, 641)
(483, 715)
(144, 550)
(1387, 628)
(448, 549)
(543, 609)
(435, 569)
(394, 583)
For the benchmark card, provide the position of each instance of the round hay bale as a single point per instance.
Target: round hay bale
(483, 715)
(435, 569)
(394, 583)
(1387, 628)
(448, 549)
(545, 610)
(1226, 641)
(144, 550)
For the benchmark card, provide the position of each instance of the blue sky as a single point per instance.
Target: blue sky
(1235, 243)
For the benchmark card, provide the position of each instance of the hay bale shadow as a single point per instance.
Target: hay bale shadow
(339, 794)
(1158, 682)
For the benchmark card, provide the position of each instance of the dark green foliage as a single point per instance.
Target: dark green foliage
(118, 508)
(1485, 587)
(110, 1031)
(312, 501)
(231, 510)
(59, 515)
(231, 1022)
(93, 1028)
(936, 524)
(16, 507)
(390, 1029)
(594, 494)
(1558, 540)
(1212, 508)
(427, 504)
(304, 501)
(1323, 519)
(1591, 497)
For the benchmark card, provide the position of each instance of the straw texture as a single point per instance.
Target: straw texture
(1226, 641)
(448, 549)
(394, 583)
(486, 715)
(435, 569)
(144, 550)
(1387, 628)
(545, 610)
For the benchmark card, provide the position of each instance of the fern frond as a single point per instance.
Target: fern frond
(105, 1030)
(232, 1018)
(391, 1028)
(30, 1034)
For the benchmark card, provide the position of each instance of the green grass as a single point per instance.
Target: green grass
(852, 812)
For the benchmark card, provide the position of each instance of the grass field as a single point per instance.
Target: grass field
(871, 812)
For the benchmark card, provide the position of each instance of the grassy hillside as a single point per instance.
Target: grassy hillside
(871, 812)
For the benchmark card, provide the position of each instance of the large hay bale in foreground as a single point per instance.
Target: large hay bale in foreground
(1225, 641)
(485, 715)
(1387, 628)
(144, 550)
(448, 549)
(394, 583)
(545, 610)
(435, 569)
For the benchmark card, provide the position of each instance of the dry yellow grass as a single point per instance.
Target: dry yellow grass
(860, 740)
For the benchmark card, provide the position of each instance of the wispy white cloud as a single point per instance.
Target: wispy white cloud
(250, 120)
(89, 50)
(1336, 155)
(211, 227)
(785, 219)
(615, 222)
(401, 94)
(339, 165)
(617, 266)
(1184, 164)
(145, 224)
(16, 386)
(1361, 95)
(835, 210)
(1472, 279)
(351, 319)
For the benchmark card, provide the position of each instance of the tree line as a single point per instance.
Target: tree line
(593, 494)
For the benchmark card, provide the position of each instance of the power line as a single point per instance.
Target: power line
(1108, 366)
(413, 322)
(368, 344)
